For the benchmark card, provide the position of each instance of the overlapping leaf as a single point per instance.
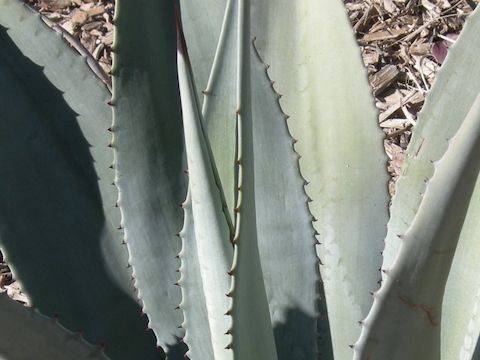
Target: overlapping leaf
(58, 223)
(451, 98)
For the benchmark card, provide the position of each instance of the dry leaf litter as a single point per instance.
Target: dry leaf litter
(403, 44)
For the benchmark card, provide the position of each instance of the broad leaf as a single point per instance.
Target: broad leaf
(317, 68)
(26, 334)
(58, 222)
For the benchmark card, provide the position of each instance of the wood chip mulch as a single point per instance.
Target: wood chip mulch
(403, 44)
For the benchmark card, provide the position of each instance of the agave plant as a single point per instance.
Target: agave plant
(230, 208)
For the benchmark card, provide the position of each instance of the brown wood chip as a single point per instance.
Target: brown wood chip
(382, 79)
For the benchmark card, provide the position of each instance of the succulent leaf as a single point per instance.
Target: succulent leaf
(261, 208)
(329, 180)
(202, 24)
(460, 316)
(441, 117)
(212, 234)
(57, 199)
(26, 334)
(149, 154)
(219, 94)
(285, 235)
(248, 291)
(317, 68)
(196, 323)
(275, 163)
(412, 292)
(455, 89)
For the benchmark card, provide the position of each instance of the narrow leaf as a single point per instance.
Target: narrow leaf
(219, 105)
(196, 323)
(202, 24)
(251, 327)
(149, 154)
(212, 234)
